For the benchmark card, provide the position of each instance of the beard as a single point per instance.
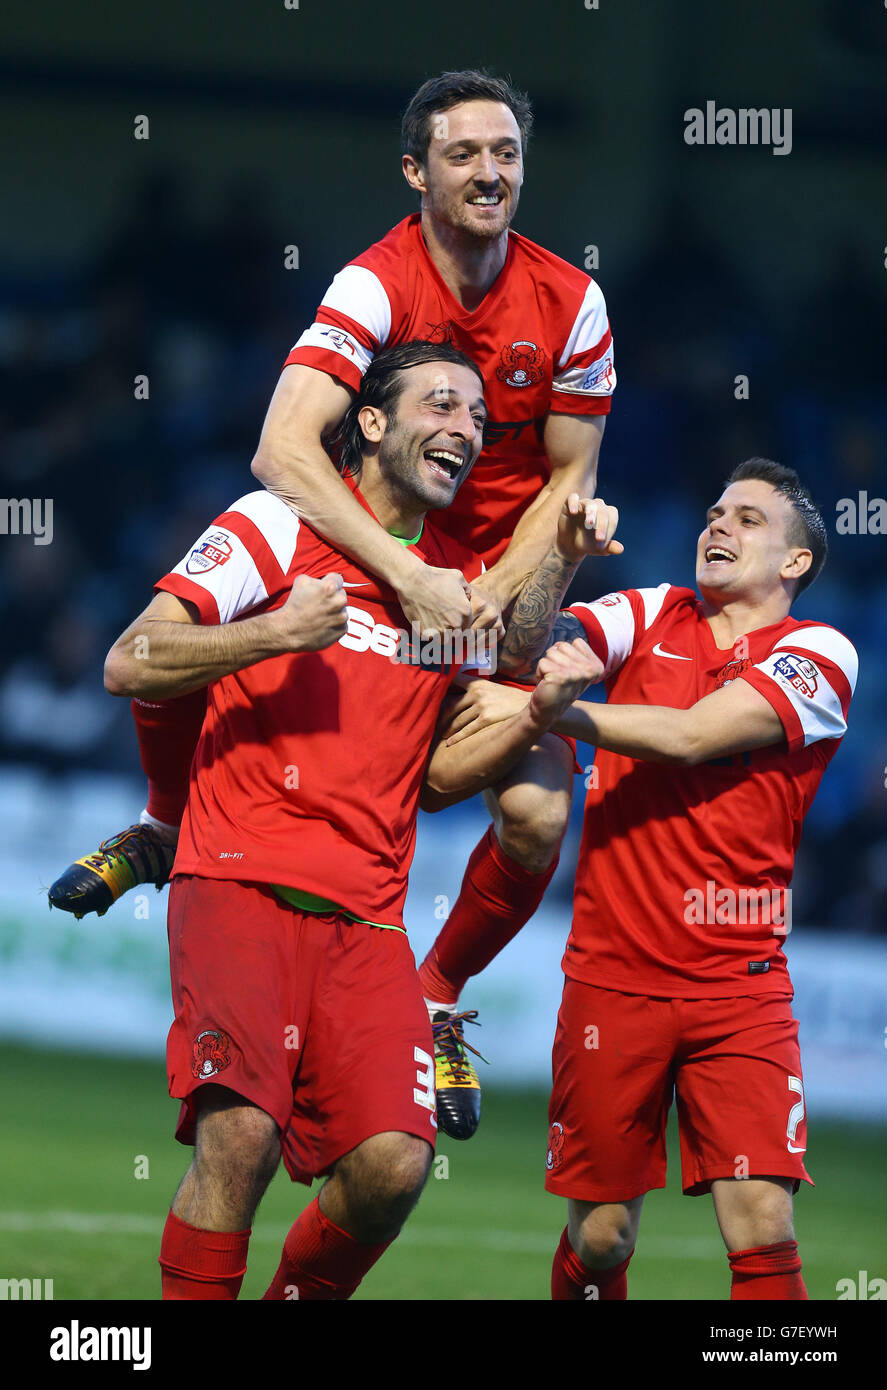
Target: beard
(456, 213)
(399, 462)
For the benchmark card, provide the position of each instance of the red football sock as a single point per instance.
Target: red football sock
(497, 898)
(321, 1261)
(168, 732)
(767, 1272)
(571, 1279)
(201, 1265)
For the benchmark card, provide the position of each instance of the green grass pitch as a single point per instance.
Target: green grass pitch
(77, 1129)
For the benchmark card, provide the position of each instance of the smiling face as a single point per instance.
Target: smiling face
(473, 171)
(748, 550)
(429, 442)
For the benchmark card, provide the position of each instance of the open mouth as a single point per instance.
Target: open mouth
(486, 200)
(444, 463)
(717, 555)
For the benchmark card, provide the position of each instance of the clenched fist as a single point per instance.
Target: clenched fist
(313, 616)
(438, 600)
(564, 672)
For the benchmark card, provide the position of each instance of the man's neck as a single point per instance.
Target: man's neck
(468, 266)
(395, 514)
(734, 620)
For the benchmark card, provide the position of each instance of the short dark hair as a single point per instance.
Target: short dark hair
(807, 528)
(382, 386)
(450, 89)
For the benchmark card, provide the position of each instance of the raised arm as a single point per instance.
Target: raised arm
(585, 526)
(572, 444)
(292, 462)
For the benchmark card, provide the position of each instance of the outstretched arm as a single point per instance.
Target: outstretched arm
(734, 719)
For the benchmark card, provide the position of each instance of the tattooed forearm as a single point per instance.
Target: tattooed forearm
(528, 633)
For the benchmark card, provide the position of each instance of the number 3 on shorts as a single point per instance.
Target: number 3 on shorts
(795, 1115)
(423, 1094)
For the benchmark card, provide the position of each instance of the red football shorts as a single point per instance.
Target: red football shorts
(317, 1020)
(733, 1065)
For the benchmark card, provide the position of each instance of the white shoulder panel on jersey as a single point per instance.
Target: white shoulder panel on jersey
(616, 616)
(812, 698)
(589, 326)
(220, 563)
(597, 378)
(360, 295)
(277, 522)
(653, 599)
(827, 642)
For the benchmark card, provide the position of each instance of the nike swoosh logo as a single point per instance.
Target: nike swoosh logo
(346, 585)
(793, 1149)
(657, 651)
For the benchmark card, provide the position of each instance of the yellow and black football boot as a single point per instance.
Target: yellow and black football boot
(92, 884)
(458, 1087)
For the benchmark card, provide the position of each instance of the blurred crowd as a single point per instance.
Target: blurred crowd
(208, 316)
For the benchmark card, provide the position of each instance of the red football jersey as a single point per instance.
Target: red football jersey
(540, 337)
(683, 871)
(308, 768)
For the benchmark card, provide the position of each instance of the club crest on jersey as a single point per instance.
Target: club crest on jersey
(520, 364)
(800, 673)
(554, 1157)
(213, 550)
(731, 672)
(210, 1053)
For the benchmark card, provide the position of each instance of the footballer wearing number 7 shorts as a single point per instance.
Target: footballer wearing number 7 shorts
(722, 715)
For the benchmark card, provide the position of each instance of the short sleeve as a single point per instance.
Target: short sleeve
(809, 678)
(351, 325)
(238, 561)
(613, 624)
(585, 378)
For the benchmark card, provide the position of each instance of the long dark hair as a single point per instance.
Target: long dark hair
(381, 387)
